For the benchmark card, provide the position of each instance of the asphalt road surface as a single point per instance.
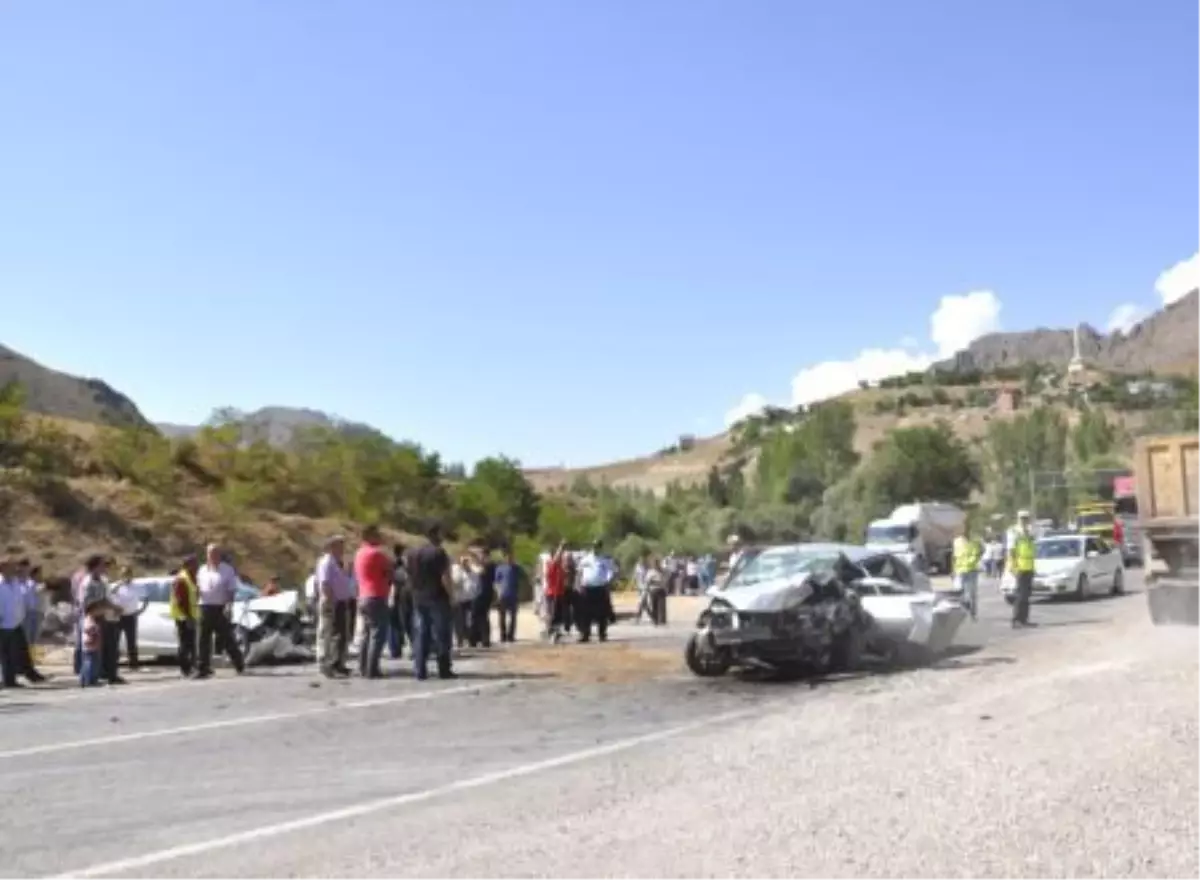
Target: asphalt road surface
(1069, 749)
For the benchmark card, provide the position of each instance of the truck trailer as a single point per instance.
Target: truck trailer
(1166, 473)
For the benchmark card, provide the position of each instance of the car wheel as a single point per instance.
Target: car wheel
(1118, 586)
(1081, 588)
(847, 651)
(241, 637)
(706, 664)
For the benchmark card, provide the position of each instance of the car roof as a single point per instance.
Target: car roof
(1064, 536)
(853, 552)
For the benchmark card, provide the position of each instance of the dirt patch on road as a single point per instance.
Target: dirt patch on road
(594, 662)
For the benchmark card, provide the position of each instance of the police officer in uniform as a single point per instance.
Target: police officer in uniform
(1022, 552)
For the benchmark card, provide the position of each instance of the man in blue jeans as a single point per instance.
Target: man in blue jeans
(508, 582)
(429, 578)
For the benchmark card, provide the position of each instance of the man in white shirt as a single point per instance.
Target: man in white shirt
(25, 611)
(217, 583)
(335, 599)
(596, 573)
(126, 596)
(12, 615)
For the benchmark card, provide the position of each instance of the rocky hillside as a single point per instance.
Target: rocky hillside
(53, 393)
(1164, 342)
(276, 425)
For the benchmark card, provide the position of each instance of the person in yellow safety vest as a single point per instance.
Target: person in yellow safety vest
(967, 554)
(1022, 553)
(185, 611)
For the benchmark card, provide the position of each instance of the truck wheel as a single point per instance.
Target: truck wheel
(705, 664)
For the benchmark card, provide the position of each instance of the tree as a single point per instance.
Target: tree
(1093, 436)
(12, 421)
(1018, 457)
(925, 462)
(797, 465)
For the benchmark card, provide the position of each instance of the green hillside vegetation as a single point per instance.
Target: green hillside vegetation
(790, 475)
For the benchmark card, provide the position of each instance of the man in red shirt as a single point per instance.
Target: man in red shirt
(556, 594)
(373, 572)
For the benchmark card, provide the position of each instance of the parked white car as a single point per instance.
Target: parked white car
(156, 629)
(1072, 565)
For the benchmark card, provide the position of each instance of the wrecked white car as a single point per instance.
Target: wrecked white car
(268, 628)
(824, 607)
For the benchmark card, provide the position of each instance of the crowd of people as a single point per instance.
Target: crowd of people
(414, 598)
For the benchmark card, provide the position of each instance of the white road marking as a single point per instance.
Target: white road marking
(50, 748)
(252, 835)
(52, 696)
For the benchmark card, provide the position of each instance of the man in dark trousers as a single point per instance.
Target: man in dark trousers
(216, 582)
(431, 589)
(508, 585)
(400, 609)
(596, 572)
(481, 621)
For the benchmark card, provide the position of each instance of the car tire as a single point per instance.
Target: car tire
(705, 664)
(1081, 588)
(847, 651)
(1118, 584)
(241, 637)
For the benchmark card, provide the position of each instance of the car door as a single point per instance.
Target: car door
(156, 629)
(1094, 565)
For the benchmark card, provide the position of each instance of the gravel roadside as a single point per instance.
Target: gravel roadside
(1069, 753)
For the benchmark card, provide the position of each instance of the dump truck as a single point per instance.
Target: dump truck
(1166, 472)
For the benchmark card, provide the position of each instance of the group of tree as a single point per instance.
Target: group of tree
(791, 478)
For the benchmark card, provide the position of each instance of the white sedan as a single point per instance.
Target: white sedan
(156, 629)
(1072, 565)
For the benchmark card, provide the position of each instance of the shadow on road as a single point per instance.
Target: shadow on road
(955, 658)
(7, 708)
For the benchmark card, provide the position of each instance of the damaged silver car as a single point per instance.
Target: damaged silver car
(822, 608)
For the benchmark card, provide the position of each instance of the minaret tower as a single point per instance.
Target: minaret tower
(1076, 364)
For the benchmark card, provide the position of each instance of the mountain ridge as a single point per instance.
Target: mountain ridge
(1165, 341)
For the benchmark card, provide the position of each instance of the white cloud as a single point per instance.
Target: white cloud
(1180, 280)
(1124, 317)
(956, 323)
(831, 378)
(960, 320)
(752, 404)
(910, 342)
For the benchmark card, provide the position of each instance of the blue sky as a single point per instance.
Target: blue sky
(570, 231)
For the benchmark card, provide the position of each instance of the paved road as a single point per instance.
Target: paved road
(510, 771)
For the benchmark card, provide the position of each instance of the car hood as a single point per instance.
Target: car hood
(767, 596)
(1052, 567)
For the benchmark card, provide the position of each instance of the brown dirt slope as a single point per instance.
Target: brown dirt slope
(60, 394)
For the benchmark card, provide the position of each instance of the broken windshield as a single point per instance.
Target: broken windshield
(781, 562)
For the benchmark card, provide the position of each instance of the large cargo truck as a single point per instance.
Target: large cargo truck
(921, 533)
(1166, 472)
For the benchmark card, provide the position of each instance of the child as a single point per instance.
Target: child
(89, 667)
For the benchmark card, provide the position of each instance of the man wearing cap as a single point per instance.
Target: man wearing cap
(1022, 553)
(216, 582)
(333, 606)
(596, 572)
